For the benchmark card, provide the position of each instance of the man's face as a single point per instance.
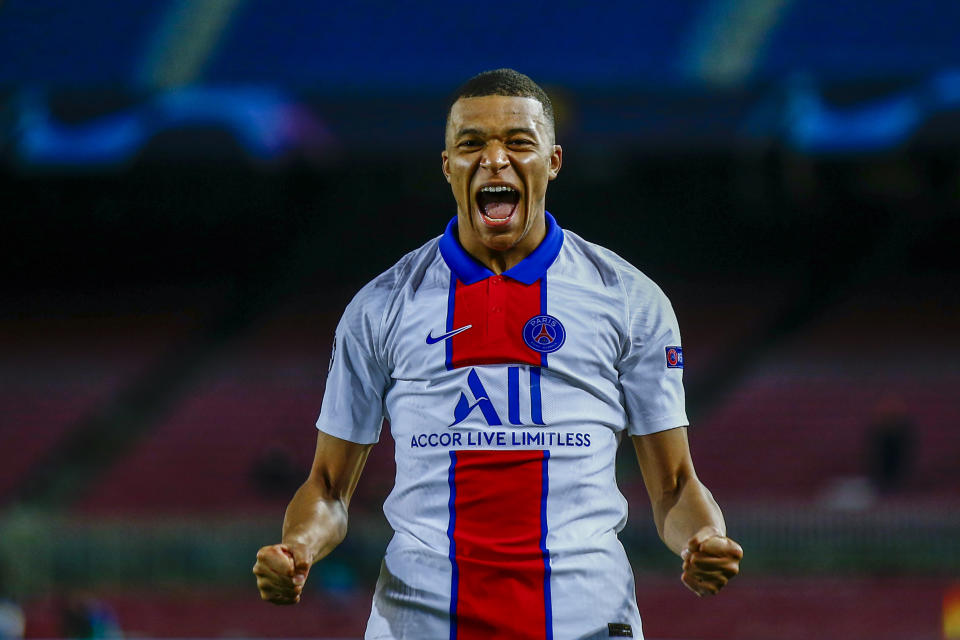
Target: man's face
(498, 160)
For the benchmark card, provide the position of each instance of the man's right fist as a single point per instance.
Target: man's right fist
(281, 571)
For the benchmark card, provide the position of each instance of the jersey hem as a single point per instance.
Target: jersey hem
(656, 425)
(345, 434)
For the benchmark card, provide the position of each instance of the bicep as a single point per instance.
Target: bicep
(665, 461)
(337, 465)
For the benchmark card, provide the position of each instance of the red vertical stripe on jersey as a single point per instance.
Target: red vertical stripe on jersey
(501, 590)
(497, 308)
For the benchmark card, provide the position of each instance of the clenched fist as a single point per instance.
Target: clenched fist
(281, 571)
(710, 561)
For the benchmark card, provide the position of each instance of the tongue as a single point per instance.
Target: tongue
(498, 210)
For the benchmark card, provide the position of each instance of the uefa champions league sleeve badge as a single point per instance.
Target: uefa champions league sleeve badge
(544, 333)
(674, 357)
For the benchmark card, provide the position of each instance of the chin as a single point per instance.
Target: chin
(501, 236)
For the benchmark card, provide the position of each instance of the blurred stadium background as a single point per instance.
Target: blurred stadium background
(193, 189)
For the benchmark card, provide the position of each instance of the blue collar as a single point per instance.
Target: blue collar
(528, 271)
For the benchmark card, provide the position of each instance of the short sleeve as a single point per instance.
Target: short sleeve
(651, 364)
(352, 407)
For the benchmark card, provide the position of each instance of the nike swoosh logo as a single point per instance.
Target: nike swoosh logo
(448, 334)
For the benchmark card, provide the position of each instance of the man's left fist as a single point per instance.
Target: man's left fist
(710, 561)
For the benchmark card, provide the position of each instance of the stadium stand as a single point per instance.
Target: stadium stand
(806, 433)
(96, 44)
(210, 613)
(890, 39)
(102, 45)
(806, 410)
(262, 395)
(621, 52)
(717, 317)
(897, 609)
(243, 439)
(56, 370)
(792, 607)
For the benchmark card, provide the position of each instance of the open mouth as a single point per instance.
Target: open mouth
(497, 204)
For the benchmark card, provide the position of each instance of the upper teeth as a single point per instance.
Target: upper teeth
(497, 189)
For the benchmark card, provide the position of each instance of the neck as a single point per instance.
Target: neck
(499, 260)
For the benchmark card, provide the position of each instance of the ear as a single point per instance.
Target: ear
(445, 164)
(556, 161)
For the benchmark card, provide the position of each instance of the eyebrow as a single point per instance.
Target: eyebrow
(479, 132)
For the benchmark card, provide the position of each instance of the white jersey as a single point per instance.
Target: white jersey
(507, 396)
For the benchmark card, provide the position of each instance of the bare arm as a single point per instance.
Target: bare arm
(315, 522)
(682, 505)
(688, 519)
(317, 515)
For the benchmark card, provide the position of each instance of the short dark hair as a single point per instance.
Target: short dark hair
(504, 82)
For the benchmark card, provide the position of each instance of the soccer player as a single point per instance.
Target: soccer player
(509, 356)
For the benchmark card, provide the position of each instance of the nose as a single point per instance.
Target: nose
(494, 158)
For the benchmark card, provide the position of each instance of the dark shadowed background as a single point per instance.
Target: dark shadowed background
(193, 190)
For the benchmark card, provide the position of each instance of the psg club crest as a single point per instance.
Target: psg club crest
(544, 333)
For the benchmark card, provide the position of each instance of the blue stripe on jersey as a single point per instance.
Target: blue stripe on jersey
(547, 604)
(543, 310)
(451, 300)
(453, 548)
